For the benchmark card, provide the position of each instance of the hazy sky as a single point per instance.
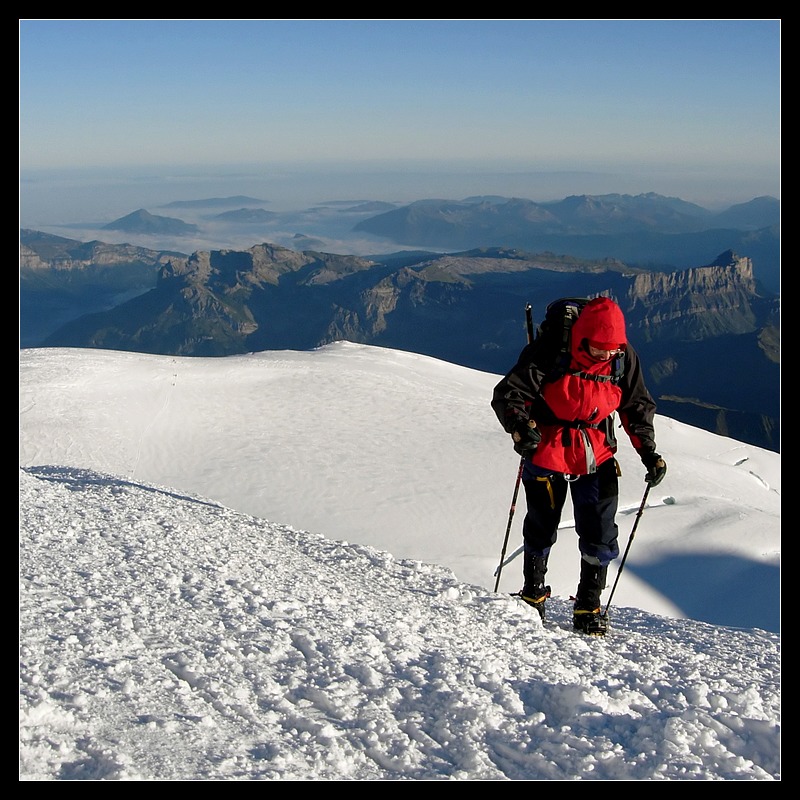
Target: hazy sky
(697, 96)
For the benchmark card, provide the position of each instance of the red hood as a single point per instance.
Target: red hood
(602, 320)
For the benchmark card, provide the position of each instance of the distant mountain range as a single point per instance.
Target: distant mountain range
(647, 230)
(217, 202)
(247, 215)
(708, 335)
(579, 214)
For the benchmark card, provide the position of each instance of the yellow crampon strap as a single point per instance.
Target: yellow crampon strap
(535, 600)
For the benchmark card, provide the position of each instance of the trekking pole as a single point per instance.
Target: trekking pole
(510, 519)
(625, 555)
(529, 328)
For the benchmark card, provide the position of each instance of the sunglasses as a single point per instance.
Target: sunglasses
(599, 353)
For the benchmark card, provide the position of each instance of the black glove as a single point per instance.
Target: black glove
(656, 468)
(526, 437)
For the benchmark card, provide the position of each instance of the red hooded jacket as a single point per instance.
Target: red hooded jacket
(574, 411)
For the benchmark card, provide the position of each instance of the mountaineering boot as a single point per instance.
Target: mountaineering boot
(590, 622)
(535, 593)
(586, 616)
(536, 599)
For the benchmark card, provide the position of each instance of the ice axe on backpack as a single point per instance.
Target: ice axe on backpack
(639, 513)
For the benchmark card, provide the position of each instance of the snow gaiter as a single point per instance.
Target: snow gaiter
(534, 569)
(592, 582)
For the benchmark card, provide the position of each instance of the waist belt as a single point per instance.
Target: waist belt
(575, 424)
(566, 441)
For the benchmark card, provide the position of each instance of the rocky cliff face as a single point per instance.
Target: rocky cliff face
(30, 260)
(261, 265)
(694, 304)
(64, 279)
(40, 251)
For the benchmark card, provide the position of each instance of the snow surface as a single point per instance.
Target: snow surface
(281, 566)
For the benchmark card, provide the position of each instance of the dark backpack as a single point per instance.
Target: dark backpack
(553, 340)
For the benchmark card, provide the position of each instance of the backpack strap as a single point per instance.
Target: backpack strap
(617, 369)
(597, 378)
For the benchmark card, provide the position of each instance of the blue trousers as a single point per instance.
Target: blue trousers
(595, 499)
